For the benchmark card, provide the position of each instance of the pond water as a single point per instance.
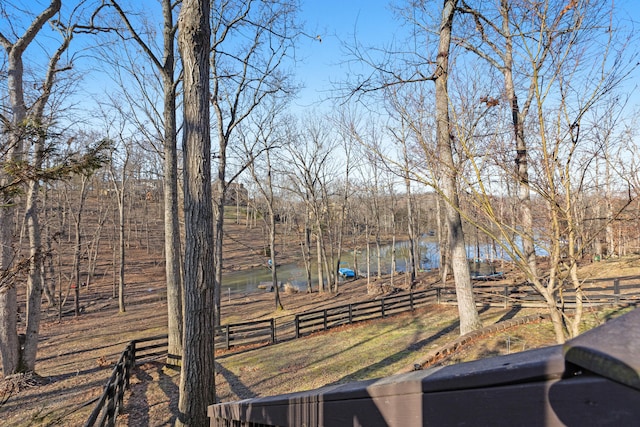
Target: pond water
(249, 280)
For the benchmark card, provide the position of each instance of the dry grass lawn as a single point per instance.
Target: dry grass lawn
(76, 355)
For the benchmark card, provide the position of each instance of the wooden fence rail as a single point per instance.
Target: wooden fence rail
(150, 348)
(621, 290)
(246, 333)
(322, 320)
(109, 405)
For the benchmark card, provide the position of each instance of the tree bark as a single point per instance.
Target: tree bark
(171, 224)
(197, 379)
(274, 269)
(166, 68)
(319, 246)
(34, 278)
(121, 253)
(521, 160)
(412, 268)
(9, 344)
(77, 248)
(469, 318)
(306, 248)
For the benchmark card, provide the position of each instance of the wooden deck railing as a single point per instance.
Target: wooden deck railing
(591, 380)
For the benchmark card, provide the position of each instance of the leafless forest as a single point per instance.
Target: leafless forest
(507, 125)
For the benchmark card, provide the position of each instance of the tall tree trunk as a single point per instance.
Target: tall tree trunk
(8, 294)
(166, 68)
(306, 248)
(34, 278)
(339, 249)
(121, 252)
(197, 378)
(469, 318)
(77, 249)
(393, 257)
(412, 268)
(172, 227)
(522, 165)
(272, 249)
(48, 286)
(319, 245)
(218, 232)
(370, 289)
(443, 242)
(9, 344)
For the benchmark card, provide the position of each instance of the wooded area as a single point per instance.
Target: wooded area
(504, 126)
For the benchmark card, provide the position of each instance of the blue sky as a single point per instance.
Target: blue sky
(320, 64)
(336, 22)
(373, 23)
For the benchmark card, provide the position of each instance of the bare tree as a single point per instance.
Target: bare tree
(32, 211)
(119, 180)
(250, 41)
(469, 319)
(266, 136)
(383, 78)
(12, 150)
(310, 160)
(76, 214)
(401, 136)
(164, 62)
(86, 152)
(348, 144)
(197, 376)
(556, 43)
(493, 40)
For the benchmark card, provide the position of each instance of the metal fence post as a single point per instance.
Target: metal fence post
(382, 306)
(616, 291)
(228, 333)
(325, 319)
(296, 322)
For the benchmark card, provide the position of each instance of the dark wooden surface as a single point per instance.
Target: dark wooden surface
(612, 350)
(590, 381)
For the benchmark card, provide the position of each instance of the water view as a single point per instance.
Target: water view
(428, 254)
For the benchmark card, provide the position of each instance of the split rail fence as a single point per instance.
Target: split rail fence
(620, 290)
(110, 403)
